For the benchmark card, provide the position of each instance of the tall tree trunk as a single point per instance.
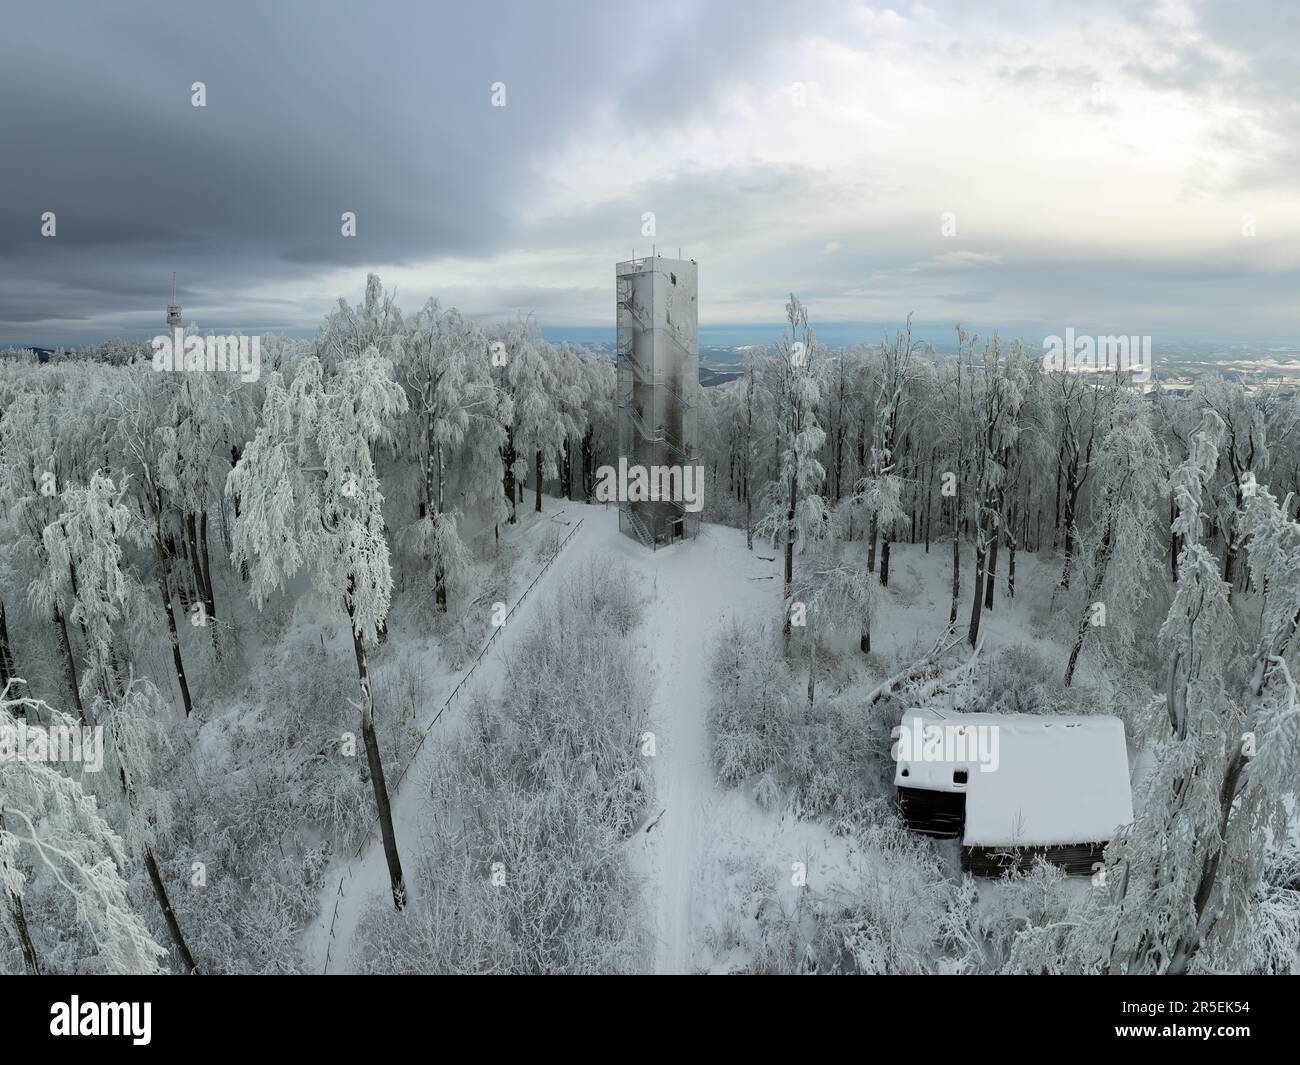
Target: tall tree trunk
(30, 964)
(956, 564)
(537, 504)
(972, 634)
(164, 592)
(508, 476)
(209, 597)
(789, 556)
(1011, 569)
(991, 577)
(373, 760)
(182, 583)
(206, 561)
(1173, 541)
(431, 507)
(1101, 560)
(1071, 502)
(1230, 563)
(234, 461)
(588, 463)
(884, 562)
(196, 567)
(169, 915)
(1060, 473)
(6, 650)
(69, 664)
(929, 498)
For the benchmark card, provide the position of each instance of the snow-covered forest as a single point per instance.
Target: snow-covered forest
(382, 689)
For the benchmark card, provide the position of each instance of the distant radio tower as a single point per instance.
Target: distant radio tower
(173, 310)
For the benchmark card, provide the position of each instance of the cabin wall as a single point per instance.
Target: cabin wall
(939, 814)
(1077, 859)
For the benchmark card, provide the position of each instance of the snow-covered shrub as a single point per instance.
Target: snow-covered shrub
(524, 867)
(620, 601)
(400, 693)
(1275, 918)
(895, 909)
(749, 717)
(833, 761)
(895, 920)
(549, 543)
(824, 755)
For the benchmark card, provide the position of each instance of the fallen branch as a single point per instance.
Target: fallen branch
(920, 666)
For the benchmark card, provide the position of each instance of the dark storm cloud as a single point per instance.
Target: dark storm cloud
(312, 109)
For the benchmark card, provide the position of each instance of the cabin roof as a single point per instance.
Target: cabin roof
(1050, 779)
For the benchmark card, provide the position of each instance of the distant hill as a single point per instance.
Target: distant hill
(710, 378)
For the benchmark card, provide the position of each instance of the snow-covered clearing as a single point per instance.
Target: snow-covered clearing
(701, 847)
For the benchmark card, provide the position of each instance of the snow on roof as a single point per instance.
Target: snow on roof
(1030, 780)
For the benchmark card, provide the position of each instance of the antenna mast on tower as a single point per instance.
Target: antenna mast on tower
(173, 308)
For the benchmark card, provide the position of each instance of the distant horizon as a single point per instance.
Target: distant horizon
(833, 334)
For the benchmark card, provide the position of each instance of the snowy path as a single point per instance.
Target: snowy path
(350, 887)
(692, 588)
(697, 585)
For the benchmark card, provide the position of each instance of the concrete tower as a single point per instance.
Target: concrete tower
(174, 315)
(658, 386)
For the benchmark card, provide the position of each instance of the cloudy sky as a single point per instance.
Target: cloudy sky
(1128, 168)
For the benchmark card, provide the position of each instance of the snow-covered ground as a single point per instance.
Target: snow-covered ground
(698, 839)
(694, 586)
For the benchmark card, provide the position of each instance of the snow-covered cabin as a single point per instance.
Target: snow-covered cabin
(1014, 786)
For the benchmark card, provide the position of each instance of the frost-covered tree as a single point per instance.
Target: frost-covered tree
(598, 441)
(1225, 775)
(1119, 546)
(137, 750)
(997, 393)
(147, 442)
(801, 472)
(50, 828)
(1243, 455)
(1083, 403)
(31, 474)
(310, 499)
(881, 489)
(538, 431)
(836, 592)
(460, 418)
(1273, 540)
(350, 331)
(85, 543)
(198, 413)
